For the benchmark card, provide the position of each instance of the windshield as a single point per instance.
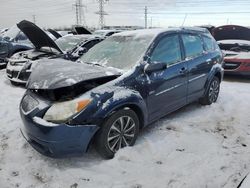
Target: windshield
(11, 33)
(69, 42)
(119, 51)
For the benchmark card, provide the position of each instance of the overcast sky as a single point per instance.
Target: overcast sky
(161, 13)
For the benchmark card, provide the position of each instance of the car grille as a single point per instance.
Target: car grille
(231, 65)
(29, 103)
(12, 74)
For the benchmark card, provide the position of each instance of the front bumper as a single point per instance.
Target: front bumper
(3, 63)
(75, 143)
(58, 140)
(20, 77)
(237, 68)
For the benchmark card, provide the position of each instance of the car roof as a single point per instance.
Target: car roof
(83, 36)
(158, 31)
(108, 30)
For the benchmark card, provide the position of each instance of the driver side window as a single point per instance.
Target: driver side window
(167, 51)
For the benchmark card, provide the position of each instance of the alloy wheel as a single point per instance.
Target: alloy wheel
(121, 133)
(213, 91)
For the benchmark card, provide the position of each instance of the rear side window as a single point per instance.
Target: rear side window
(208, 43)
(192, 44)
(167, 51)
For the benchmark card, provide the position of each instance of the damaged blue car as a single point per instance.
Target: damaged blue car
(119, 86)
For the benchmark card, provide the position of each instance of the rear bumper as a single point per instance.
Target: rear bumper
(57, 141)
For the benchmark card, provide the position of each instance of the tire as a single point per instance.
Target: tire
(15, 83)
(212, 92)
(110, 138)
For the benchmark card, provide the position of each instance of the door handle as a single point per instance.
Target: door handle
(183, 70)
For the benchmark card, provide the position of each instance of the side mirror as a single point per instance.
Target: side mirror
(152, 67)
(82, 51)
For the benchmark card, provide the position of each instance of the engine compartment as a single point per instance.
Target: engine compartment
(70, 92)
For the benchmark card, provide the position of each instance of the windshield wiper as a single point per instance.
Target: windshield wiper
(96, 64)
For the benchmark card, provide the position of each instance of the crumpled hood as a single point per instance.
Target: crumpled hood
(58, 73)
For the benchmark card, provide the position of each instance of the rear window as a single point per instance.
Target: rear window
(192, 44)
(208, 43)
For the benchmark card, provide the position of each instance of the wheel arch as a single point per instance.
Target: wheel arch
(218, 75)
(132, 100)
(215, 72)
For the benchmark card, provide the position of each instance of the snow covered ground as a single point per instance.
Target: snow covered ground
(195, 147)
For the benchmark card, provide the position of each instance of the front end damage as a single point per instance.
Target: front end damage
(18, 71)
(51, 139)
(21, 64)
(67, 137)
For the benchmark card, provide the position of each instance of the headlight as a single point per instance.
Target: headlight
(61, 112)
(27, 65)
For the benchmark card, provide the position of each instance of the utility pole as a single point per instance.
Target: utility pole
(81, 13)
(146, 17)
(34, 18)
(101, 13)
(77, 12)
(80, 18)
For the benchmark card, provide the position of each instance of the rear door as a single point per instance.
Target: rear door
(199, 63)
(167, 89)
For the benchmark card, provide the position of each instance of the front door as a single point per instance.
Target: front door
(167, 89)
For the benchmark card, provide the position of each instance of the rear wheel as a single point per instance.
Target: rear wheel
(119, 130)
(212, 92)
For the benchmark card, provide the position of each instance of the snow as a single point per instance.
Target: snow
(197, 146)
(142, 32)
(246, 182)
(43, 122)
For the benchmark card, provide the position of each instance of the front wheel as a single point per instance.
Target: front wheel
(118, 131)
(212, 92)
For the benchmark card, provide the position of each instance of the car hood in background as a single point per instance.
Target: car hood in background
(228, 32)
(55, 33)
(36, 35)
(82, 30)
(60, 73)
